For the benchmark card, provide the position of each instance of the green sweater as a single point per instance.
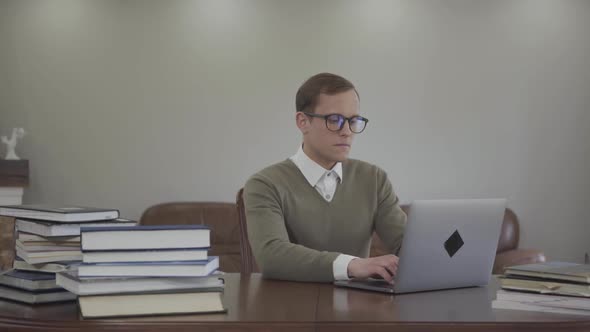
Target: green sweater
(296, 235)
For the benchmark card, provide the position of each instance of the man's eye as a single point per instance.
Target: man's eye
(334, 119)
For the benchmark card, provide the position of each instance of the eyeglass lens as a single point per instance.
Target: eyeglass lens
(335, 122)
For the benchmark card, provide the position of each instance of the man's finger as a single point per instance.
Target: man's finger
(384, 273)
(390, 270)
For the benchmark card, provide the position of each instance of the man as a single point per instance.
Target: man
(311, 217)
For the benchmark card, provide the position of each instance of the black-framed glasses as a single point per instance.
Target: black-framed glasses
(335, 122)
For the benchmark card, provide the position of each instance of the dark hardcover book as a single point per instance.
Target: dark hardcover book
(36, 297)
(58, 213)
(145, 237)
(29, 280)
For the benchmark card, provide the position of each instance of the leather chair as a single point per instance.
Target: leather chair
(248, 264)
(220, 217)
(507, 254)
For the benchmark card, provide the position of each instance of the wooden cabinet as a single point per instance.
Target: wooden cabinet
(14, 173)
(14, 177)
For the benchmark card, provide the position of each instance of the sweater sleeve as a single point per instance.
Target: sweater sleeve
(276, 256)
(390, 219)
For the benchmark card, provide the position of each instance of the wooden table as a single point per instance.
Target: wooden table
(256, 304)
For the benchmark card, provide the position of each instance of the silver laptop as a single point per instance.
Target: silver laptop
(447, 244)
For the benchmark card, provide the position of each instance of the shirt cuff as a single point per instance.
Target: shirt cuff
(340, 266)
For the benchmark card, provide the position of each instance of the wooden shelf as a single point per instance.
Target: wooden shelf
(14, 173)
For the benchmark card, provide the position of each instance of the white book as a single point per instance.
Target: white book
(48, 247)
(11, 195)
(48, 256)
(112, 285)
(58, 213)
(556, 270)
(180, 302)
(52, 229)
(20, 264)
(144, 256)
(145, 237)
(11, 191)
(28, 237)
(569, 302)
(150, 269)
(513, 305)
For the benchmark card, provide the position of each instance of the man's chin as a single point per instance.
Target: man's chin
(341, 157)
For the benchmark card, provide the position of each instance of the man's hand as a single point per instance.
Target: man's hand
(383, 266)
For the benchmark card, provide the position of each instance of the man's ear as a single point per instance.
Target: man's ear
(302, 122)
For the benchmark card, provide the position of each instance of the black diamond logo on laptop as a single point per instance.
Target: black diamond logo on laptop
(453, 243)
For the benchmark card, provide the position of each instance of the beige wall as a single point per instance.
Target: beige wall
(131, 103)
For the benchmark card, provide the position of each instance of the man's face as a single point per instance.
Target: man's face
(322, 145)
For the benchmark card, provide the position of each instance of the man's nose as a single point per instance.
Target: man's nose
(345, 131)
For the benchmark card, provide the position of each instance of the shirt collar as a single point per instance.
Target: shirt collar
(311, 170)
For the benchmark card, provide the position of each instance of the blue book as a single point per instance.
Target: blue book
(145, 237)
(150, 269)
(35, 297)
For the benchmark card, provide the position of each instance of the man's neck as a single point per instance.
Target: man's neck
(328, 165)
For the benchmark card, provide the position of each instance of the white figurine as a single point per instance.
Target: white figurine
(17, 133)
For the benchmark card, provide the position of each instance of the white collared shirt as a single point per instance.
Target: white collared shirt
(325, 182)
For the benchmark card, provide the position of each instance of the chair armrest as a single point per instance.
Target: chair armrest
(517, 257)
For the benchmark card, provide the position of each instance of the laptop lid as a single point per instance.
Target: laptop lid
(449, 244)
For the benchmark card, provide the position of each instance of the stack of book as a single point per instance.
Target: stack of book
(47, 241)
(145, 270)
(558, 287)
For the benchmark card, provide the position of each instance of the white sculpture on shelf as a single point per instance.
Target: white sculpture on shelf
(17, 133)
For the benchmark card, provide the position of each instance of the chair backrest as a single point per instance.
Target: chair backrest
(508, 240)
(248, 262)
(510, 233)
(220, 217)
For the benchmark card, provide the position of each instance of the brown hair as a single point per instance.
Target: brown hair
(326, 83)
